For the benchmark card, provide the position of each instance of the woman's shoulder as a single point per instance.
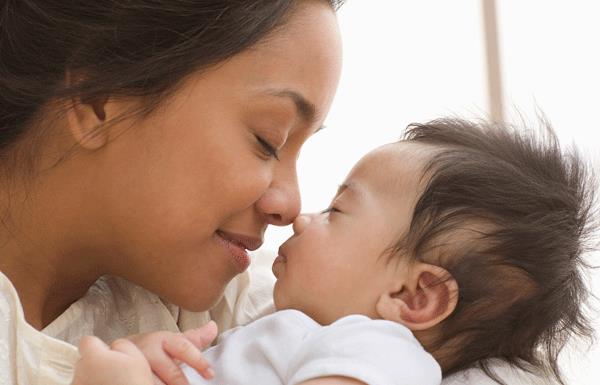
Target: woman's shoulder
(27, 355)
(9, 315)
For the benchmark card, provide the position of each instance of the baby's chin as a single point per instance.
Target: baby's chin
(320, 316)
(279, 298)
(283, 301)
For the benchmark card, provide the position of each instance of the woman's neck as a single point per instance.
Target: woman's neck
(46, 285)
(46, 249)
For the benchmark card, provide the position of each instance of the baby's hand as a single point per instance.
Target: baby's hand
(121, 364)
(164, 351)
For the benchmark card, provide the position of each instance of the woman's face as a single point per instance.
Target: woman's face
(183, 192)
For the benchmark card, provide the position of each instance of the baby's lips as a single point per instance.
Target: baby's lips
(281, 255)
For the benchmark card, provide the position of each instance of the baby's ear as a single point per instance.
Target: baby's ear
(428, 296)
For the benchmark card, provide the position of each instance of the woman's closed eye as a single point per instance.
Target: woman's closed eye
(268, 149)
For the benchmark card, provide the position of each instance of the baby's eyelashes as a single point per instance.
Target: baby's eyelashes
(330, 209)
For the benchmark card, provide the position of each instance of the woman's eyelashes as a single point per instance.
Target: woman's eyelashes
(268, 149)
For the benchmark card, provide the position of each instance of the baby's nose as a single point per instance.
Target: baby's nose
(301, 222)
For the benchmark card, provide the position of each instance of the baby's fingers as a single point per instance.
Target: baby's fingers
(90, 345)
(180, 348)
(202, 336)
(157, 381)
(167, 371)
(127, 347)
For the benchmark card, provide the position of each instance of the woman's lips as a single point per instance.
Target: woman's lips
(236, 245)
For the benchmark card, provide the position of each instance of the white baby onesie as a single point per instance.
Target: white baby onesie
(288, 347)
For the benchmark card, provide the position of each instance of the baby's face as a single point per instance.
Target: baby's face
(336, 262)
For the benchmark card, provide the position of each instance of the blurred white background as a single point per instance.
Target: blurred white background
(412, 61)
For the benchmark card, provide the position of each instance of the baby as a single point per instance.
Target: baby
(461, 243)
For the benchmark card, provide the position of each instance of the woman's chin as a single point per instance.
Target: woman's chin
(200, 300)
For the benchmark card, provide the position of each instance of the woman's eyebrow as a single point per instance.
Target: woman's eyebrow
(304, 108)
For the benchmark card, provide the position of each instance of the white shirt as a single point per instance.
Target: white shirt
(288, 347)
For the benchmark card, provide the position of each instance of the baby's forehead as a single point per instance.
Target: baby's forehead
(395, 162)
(394, 170)
(406, 150)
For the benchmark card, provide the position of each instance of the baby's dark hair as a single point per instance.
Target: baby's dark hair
(527, 205)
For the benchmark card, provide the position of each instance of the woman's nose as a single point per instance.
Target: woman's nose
(301, 222)
(281, 202)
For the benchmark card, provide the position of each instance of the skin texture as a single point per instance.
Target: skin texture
(143, 199)
(121, 363)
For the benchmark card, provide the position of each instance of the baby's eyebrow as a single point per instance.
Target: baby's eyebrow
(349, 186)
(341, 188)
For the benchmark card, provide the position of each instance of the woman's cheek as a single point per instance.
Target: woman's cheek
(256, 183)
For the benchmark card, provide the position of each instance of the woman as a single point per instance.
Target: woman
(152, 141)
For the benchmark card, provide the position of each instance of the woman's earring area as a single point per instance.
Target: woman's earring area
(86, 117)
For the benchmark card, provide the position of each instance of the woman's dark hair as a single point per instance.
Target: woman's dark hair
(528, 207)
(141, 48)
